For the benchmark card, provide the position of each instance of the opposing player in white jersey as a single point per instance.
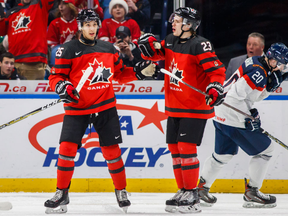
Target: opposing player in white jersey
(255, 79)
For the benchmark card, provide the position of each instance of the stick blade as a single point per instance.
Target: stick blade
(5, 206)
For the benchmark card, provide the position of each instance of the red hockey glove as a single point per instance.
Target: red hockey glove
(67, 92)
(215, 91)
(146, 45)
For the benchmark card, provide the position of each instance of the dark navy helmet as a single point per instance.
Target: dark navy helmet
(279, 52)
(189, 15)
(87, 15)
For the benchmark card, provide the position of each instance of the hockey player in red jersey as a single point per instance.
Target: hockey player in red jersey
(26, 27)
(191, 58)
(95, 103)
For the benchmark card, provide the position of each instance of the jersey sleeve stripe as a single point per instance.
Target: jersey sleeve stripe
(212, 69)
(206, 55)
(60, 66)
(117, 62)
(203, 61)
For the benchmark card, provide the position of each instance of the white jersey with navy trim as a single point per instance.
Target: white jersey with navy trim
(246, 86)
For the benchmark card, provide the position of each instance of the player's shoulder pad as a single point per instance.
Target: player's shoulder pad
(170, 40)
(255, 71)
(202, 45)
(13, 10)
(105, 46)
(67, 50)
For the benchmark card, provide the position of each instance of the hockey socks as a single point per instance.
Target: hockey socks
(176, 160)
(189, 164)
(185, 164)
(65, 169)
(112, 155)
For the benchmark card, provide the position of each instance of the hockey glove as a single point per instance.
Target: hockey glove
(253, 125)
(274, 80)
(67, 92)
(144, 69)
(147, 44)
(215, 91)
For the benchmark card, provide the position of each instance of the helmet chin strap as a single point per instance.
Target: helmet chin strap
(185, 39)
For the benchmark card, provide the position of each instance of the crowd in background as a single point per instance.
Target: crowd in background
(54, 23)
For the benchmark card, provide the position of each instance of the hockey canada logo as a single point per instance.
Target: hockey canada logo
(99, 74)
(21, 22)
(173, 68)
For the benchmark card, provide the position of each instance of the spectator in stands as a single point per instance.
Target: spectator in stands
(118, 9)
(26, 27)
(82, 4)
(64, 27)
(140, 11)
(7, 69)
(128, 51)
(255, 46)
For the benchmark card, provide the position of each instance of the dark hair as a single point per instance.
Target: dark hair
(7, 55)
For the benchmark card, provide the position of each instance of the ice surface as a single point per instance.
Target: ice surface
(142, 204)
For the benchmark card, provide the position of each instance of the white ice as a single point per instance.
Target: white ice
(142, 204)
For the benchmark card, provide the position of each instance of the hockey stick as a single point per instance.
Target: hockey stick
(225, 104)
(83, 79)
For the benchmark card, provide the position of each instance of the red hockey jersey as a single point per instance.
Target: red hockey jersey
(97, 94)
(26, 27)
(61, 31)
(196, 63)
(110, 25)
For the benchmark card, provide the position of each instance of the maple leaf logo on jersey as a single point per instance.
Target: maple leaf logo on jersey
(101, 74)
(173, 68)
(21, 21)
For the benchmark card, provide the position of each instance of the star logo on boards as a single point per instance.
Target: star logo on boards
(21, 22)
(173, 68)
(99, 74)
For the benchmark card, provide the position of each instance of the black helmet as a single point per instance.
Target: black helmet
(189, 15)
(87, 15)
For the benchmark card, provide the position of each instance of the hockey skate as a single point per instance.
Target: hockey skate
(60, 199)
(207, 198)
(172, 203)
(190, 202)
(122, 199)
(255, 199)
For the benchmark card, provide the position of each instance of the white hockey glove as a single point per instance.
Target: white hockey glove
(144, 69)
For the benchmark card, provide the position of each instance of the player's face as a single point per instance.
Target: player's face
(25, 1)
(273, 63)
(7, 66)
(89, 30)
(118, 12)
(177, 25)
(254, 47)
